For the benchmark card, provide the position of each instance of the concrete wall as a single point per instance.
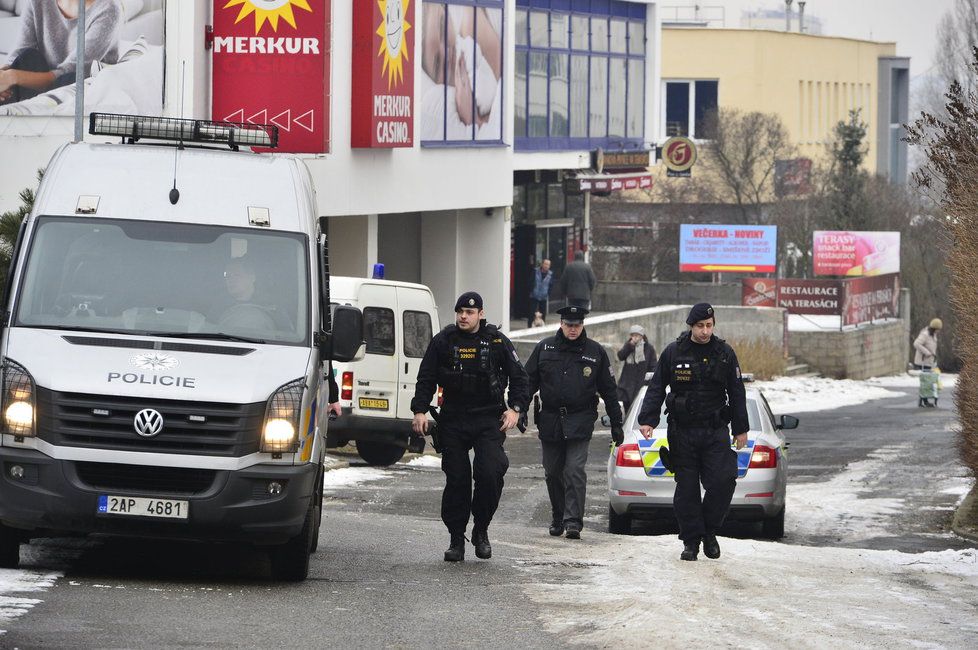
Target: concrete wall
(622, 296)
(662, 326)
(872, 350)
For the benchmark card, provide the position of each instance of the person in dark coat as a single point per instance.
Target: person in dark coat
(570, 371)
(639, 358)
(578, 281)
(707, 394)
(473, 362)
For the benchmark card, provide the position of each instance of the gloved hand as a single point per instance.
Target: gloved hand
(617, 434)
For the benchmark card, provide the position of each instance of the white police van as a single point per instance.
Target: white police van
(165, 332)
(399, 319)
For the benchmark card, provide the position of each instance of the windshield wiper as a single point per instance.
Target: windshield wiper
(76, 328)
(217, 336)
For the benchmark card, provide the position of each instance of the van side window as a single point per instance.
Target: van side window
(417, 333)
(378, 329)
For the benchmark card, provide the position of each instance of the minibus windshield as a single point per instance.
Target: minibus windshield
(150, 277)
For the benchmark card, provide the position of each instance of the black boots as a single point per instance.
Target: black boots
(711, 548)
(557, 526)
(480, 539)
(690, 550)
(456, 549)
(573, 531)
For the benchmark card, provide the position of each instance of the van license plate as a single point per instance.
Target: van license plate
(143, 507)
(378, 404)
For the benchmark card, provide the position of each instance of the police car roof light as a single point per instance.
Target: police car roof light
(137, 127)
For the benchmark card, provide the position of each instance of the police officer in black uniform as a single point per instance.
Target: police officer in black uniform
(472, 362)
(570, 370)
(707, 394)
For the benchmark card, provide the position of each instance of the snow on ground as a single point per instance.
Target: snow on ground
(806, 394)
(351, 476)
(619, 591)
(809, 323)
(13, 584)
(425, 461)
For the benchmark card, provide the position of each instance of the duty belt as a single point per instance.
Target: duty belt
(567, 410)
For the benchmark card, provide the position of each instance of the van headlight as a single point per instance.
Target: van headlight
(278, 433)
(17, 400)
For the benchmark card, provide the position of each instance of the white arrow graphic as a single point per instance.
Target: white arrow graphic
(264, 117)
(288, 119)
(236, 116)
(309, 119)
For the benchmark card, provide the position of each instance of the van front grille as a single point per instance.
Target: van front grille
(158, 481)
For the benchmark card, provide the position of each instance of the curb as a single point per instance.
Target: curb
(965, 522)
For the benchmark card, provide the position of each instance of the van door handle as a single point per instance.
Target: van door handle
(405, 367)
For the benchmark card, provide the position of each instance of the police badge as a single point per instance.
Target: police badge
(587, 371)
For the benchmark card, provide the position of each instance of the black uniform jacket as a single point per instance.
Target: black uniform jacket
(571, 374)
(440, 353)
(686, 366)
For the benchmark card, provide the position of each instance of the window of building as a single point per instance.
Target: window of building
(568, 65)
(687, 106)
(462, 64)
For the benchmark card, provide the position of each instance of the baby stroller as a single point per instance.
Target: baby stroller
(930, 386)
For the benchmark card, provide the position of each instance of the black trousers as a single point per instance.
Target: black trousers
(701, 455)
(459, 433)
(31, 60)
(563, 463)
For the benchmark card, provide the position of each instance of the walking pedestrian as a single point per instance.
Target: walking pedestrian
(473, 362)
(540, 294)
(570, 370)
(707, 393)
(639, 359)
(578, 281)
(925, 345)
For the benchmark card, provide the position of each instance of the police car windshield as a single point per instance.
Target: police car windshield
(134, 277)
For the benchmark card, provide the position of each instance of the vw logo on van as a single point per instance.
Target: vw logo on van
(148, 423)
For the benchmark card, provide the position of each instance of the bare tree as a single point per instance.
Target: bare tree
(742, 157)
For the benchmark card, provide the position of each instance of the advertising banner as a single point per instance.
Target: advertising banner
(728, 248)
(867, 299)
(837, 252)
(271, 66)
(382, 103)
(123, 61)
(813, 297)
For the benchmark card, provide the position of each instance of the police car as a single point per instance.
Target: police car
(639, 487)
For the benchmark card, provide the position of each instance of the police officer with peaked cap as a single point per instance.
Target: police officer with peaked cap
(706, 394)
(473, 362)
(570, 370)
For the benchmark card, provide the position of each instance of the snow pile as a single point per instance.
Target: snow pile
(806, 394)
(13, 581)
(425, 461)
(352, 476)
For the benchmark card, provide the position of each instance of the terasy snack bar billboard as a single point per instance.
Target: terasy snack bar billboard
(855, 253)
(715, 248)
(271, 66)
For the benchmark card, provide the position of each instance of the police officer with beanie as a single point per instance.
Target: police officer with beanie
(706, 394)
(570, 370)
(473, 363)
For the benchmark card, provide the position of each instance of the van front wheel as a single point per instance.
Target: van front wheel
(9, 548)
(290, 561)
(379, 453)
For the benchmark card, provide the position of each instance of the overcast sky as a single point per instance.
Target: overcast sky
(910, 23)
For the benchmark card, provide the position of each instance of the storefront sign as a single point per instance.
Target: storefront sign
(867, 299)
(382, 102)
(855, 253)
(271, 66)
(679, 156)
(816, 297)
(728, 248)
(610, 160)
(599, 183)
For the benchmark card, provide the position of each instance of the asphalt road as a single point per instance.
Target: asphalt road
(379, 579)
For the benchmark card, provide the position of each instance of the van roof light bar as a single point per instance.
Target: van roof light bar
(137, 127)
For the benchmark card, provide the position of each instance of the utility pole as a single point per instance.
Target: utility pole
(787, 15)
(80, 74)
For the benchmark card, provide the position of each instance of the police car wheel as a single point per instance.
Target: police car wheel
(290, 561)
(773, 528)
(9, 548)
(379, 453)
(619, 524)
(318, 499)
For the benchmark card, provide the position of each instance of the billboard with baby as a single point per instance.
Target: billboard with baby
(855, 253)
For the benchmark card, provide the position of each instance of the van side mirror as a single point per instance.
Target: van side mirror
(345, 343)
(788, 422)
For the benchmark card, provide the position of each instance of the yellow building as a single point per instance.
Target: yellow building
(811, 82)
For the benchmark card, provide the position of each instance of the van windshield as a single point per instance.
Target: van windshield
(156, 278)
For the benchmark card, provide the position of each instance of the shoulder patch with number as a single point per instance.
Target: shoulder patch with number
(516, 357)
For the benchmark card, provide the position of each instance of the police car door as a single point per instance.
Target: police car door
(418, 323)
(375, 377)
